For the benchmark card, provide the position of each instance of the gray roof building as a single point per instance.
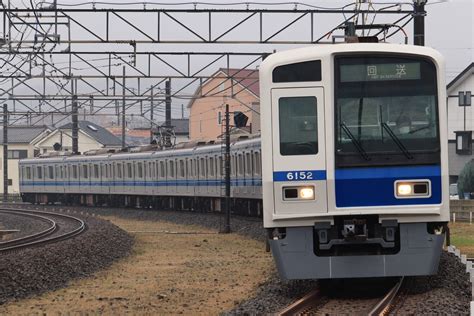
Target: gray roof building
(181, 126)
(23, 134)
(100, 134)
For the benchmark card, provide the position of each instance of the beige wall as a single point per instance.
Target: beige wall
(204, 112)
(13, 171)
(85, 142)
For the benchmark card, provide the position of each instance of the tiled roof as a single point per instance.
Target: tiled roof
(242, 78)
(22, 134)
(100, 134)
(248, 78)
(181, 126)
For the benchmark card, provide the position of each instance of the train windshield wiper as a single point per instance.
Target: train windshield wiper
(357, 145)
(397, 140)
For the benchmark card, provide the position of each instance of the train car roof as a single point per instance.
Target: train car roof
(321, 51)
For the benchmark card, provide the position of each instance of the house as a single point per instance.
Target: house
(237, 87)
(22, 142)
(90, 136)
(460, 122)
(141, 135)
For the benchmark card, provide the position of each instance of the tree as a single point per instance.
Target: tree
(466, 179)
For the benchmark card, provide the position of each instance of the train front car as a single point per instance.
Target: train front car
(354, 152)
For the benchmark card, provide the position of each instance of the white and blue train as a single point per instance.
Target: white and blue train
(351, 165)
(186, 179)
(355, 164)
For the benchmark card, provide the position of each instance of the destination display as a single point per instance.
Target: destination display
(380, 72)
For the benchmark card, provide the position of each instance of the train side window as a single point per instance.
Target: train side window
(50, 172)
(240, 163)
(203, 167)
(298, 126)
(233, 168)
(181, 168)
(188, 168)
(39, 172)
(85, 173)
(74, 172)
(28, 173)
(219, 166)
(140, 170)
(248, 164)
(96, 171)
(119, 170)
(129, 170)
(162, 169)
(211, 166)
(58, 174)
(171, 168)
(258, 164)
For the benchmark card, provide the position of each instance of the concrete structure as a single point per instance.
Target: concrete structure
(91, 136)
(207, 108)
(463, 82)
(22, 142)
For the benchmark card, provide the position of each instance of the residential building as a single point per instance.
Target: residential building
(239, 88)
(460, 122)
(90, 136)
(22, 142)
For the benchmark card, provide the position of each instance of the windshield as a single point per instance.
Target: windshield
(388, 107)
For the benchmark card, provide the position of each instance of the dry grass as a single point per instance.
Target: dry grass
(462, 236)
(203, 273)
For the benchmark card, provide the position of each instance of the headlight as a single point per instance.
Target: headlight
(412, 189)
(404, 189)
(298, 193)
(307, 193)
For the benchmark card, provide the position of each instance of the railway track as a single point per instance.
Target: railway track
(315, 302)
(59, 227)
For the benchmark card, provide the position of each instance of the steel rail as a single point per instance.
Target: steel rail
(51, 229)
(306, 302)
(383, 307)
(78, 230)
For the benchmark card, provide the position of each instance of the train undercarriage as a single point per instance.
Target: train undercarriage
(239, 206)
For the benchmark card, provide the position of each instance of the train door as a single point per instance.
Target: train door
(299, 153)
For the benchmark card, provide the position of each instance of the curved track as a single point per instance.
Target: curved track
(60, 227)
(315, 302)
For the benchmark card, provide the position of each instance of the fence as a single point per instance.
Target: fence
(462, 210)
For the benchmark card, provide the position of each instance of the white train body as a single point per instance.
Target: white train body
(347, 131)
(183, 178)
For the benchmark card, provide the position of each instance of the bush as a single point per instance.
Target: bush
(466, 179)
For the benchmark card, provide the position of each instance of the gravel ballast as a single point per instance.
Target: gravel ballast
(37, 270)
(448, 292)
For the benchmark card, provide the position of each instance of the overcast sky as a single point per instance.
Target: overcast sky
(449, 28)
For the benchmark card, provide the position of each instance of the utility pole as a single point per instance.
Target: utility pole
(168, 103)
(74, 118)
(5, 153)
(123, 110)
(227, 171)
(152, 110)
(419, 14)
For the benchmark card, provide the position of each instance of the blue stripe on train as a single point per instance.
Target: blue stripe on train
(357, 187)
(171, 183)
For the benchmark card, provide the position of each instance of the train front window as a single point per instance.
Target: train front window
(298, 126)
(386, 111)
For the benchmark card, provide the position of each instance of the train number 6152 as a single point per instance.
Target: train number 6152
(299, 175)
